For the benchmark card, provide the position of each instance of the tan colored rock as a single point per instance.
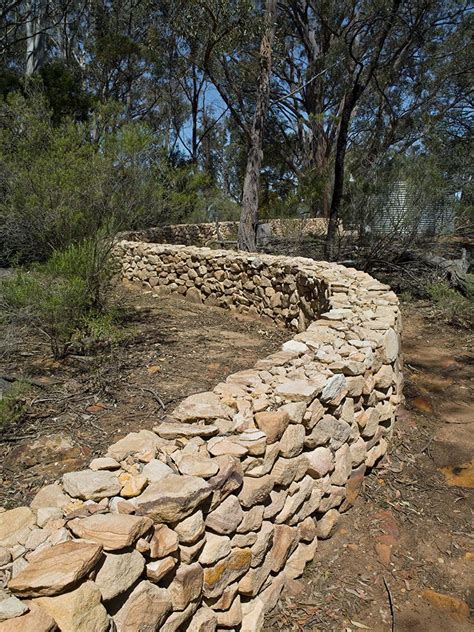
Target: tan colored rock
(90, 485)
(272, 423)
(11, 608)
(132, 485)
(173, 498)
(253, 614)
(321, 461)
(201, 406)
(190, 529)
(112, 531)
(297, 390)
(227, 480)
(284, 471)
(56, 569)
(223, 446)
(277, 502)
(255, 490)
(176, 430)
(118, 573)
(291, 443)
(47, 514)
(224, 602)
(262, 544)
(297, 561)
(243, 540)
(104, 463)
(133, 443)
(285, 540)
(15, 525)
(50, 496)
(232, 617)
(251, 583)
(252, 520)
(328, 430)
(307, 529)
(384, 376)
(226, 518)
(145, 610)
(186, 585)
(35, 620)
(295, 411)
(343, 466)
(215, 548)
(204, 620)
(327, 524)
(179, 618)
(164, 542)
(198, 465)
(155, 471)
(225, 572)
(159, 568)
(5, 556)
(77, 611)
(190, 553)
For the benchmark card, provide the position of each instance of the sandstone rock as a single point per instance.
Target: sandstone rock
(297, 561)
(328, 430)
(221, 446)
(255, 490)
(204, 620)
(251, 583)
(343, 466)
(262, 544)
(276, 504)
(327, 524)
(90, 485)
(50, 496)
(295, 346)
(11, 607)
(285, 540)
(307, 529)
(253, 614)
(273, 424)
(5, 556)
(112, 531)
(159, 568)
(186, 585)
(179, 618)
(56, 569)
(225, 572)
(284, 471)
(45, 514)
(104, 463)
(118, 573)
(190, 553)
(15, 525)
(321, 461)
(155, 470)
(190, 529)
(358, 451)
(173, 498)
(198, 465)
(176, 430)
(216, 547)
(35, 620)
(291, 443)
(252, 520)
(232, 617)
(253, 440)
(295, 411)
(164, 542)
(226, 518)
(334, 389)
(224, 602)
(384, 376)
(133, 443)
(297, 390)
(77, 611)
(201, 406)
(145, 609)
(132, 485)
(390, 345)
(227, 480)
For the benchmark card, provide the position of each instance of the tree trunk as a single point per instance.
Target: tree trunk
(248, 217)
(35, 36)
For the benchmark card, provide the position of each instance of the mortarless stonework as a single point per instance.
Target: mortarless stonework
(197, 525)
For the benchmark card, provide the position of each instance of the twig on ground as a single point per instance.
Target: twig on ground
(390, 601)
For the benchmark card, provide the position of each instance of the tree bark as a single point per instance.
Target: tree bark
(249, 213)
(35, 36)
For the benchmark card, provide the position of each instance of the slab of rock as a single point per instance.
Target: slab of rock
(118, 573)
(273, 423)
(291, 443)
(232, 617)
(11, 607)
(321, 461)
(253, 615)
(112, 531)
(104, 463)
(262, 544)
(204, 620)
(334, 388)
(145, 609)
(35, 620)
(198, 465)
(50, 496)
(77, 611)
(90, 485)
(178, 618)
(190, 529)
(201, 406)
(255, 491)
(177, 430)
(252, 520)
(164, 542)
(343, 465)
(5, 556)
(326, 525)
(159, 568)
(227, 480)
(328, 430)
(155, 470)
(285, 540)
(223, 446)
(15, 525)
(173, 498)
(132, 485)
(297, 390)
(295, 411)
(226, 518)
(186, 585)
(216, 547)
(56, 569)
(225, 572)
(133, 443)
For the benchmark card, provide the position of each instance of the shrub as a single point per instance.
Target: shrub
(452, 306)
(13, 404)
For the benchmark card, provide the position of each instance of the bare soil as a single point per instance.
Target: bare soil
(171, 348)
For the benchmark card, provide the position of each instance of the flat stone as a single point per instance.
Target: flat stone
(204, 620)
(104, 463)
(11, 607)
(35, 620)
(201, 406)
(190, 553)
(173, 498)
(198, 465)
(285, 540)
(5, 556)
(226, 517)
(328, 430)
(164, 542)
(118, 573)
(145, 610)
(291, 443)
(178, 618)
(155, 571)
(90, 485)
(253, 616)
(295, 411)
(45, 514)
(297, 390)
(297, 561)
(215, 548)
(222, 446)
(112, 531)
(50, 496)
(321, 461)
(56, 569)
(177, 430)
(295, 346)
(77, 611)
(390, 345)
(327, 524)
(384, 376)
(132, 485)
(262, 544)
(343, 466)
(186, 585)
(272, 423)
(252, 520)
(225, 572)
(134, 443)
(334, 388)
(190, 529)
(15, 525)
(227, 480)
(155, 470)
(232, 617)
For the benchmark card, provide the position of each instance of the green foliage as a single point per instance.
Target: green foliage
(451, 306)
(12, 404)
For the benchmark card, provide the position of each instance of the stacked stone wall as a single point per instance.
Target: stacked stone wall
(199, 524)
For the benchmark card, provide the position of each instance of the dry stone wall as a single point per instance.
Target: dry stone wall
(199, 524)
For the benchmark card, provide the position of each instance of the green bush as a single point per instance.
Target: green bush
(13, 404)
(452, 306)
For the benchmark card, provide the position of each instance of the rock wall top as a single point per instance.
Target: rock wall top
(198, 524)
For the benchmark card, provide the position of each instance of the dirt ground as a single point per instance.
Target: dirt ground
(171, 349)
(402, 559)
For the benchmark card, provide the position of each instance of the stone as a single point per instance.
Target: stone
(221, 446)
(190, 529)
(343, 465)
(11, 607)
(295, 346)
(358, 451)
(198, 465)
(190, 553)
(35, 620)
(155, 470)
(334, 388)
(321, 461)
(204, 620)
(327, 524)
(186, 585)
(272, 423)
(50, 496)
(295, 411)
(215, 548)
(227, 480)
(179, 618)
(133, 443)
(232, 617)
(132, 485)
(262, 544)
(328, 430)
(163, 542)
(251, 583)
(252, 520)
(384, 376)
(56, 569)
(5, 556)
(168, 430)
(145, 609)
(77, 611)
(45, 514)
(307, 529)
(390, 346)
(90, 485)
(173, 498)
(201, 406)
(118, 572)
(253, 614)
(112, 531)
(297, 390)
(285, 540)
(226, 518)
(225, 572)
(297, 561)
(15, 525)
(291, 443)
(295, 500)
(104, 463)
(224, 602)
(255, 490)
(155, 571)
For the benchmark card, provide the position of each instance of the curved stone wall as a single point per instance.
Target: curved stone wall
(198, 525)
